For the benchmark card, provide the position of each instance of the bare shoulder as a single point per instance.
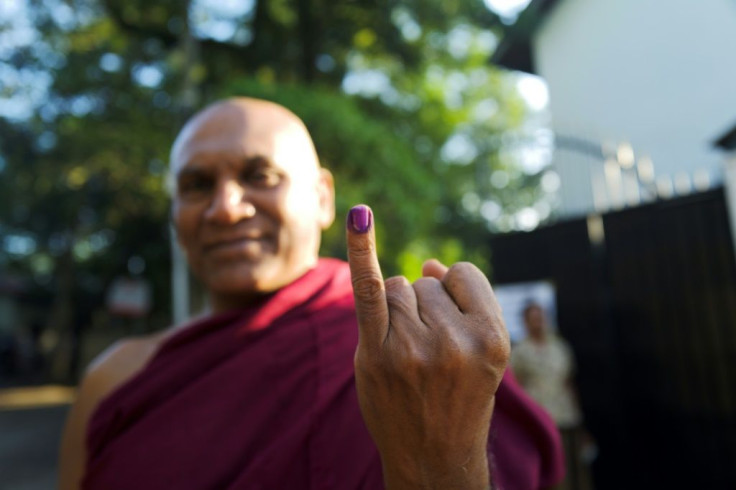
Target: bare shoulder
(119, 362)
(107, 372)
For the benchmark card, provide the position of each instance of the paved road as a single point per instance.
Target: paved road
(29, 441)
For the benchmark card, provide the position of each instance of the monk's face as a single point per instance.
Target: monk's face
(251, 200)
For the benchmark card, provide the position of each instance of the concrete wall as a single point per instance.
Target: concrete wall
(660, 74)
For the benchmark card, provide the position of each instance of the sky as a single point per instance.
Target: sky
(508, 10)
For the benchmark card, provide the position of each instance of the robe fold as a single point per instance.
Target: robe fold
(264, 398)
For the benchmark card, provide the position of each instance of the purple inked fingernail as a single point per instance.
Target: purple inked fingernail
(360, 219)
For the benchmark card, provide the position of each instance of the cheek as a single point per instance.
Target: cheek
(185, 222)
(289, 209)
(302, 205)
(301, 218)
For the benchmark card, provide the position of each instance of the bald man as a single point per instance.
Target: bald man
(308, 372)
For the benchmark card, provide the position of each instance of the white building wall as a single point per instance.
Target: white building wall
(660, 74)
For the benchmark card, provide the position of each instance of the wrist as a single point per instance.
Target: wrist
(438, 472)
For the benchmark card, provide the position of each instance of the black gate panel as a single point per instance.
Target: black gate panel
(673, 291)
(651, 316)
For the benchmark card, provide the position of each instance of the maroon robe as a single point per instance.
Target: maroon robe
(264, 398)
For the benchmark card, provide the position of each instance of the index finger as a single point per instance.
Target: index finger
(368, 287)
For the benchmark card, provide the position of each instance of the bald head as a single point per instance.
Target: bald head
(234, 117)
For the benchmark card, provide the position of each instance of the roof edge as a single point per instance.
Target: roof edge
(514, 52)
(728, 140)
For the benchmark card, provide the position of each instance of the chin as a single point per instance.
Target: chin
(244, 279)
(236, 288)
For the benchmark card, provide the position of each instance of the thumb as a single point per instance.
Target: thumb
(368, 286)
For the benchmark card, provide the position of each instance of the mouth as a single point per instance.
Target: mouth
(235, 245)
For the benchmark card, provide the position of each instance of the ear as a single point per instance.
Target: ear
(326, 192)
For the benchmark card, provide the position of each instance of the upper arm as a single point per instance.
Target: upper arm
(106, 373)
(72, 453)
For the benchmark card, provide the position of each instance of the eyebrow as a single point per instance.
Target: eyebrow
(194, 168)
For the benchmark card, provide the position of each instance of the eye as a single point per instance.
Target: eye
(195, 185)
(262, 177)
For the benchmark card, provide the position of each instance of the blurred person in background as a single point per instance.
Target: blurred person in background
(308, 372)
(545, 366)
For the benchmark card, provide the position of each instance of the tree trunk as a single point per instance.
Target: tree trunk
(307, 33)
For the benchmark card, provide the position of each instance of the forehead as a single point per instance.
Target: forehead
(236, 133)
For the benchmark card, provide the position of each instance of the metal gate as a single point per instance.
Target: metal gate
(650, 311)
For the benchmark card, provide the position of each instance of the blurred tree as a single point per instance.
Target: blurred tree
(399, 96)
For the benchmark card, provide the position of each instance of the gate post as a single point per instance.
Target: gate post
(179, 282)
(729, 185)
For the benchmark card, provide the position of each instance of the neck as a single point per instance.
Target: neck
(222, 301)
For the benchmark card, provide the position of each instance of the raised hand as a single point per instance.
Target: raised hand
(429, 360)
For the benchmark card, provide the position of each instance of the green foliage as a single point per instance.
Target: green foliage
(85, 173)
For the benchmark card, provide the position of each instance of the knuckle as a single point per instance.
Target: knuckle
(368, 287)
(396, 283)
(458, 274)
(428, 290)
(489, 316)
(463, 272)
(396, 292)
(427, 282)
(462, 268)
(361, 251)
(495, 346)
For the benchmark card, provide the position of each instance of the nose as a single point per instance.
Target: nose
(229, 204)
